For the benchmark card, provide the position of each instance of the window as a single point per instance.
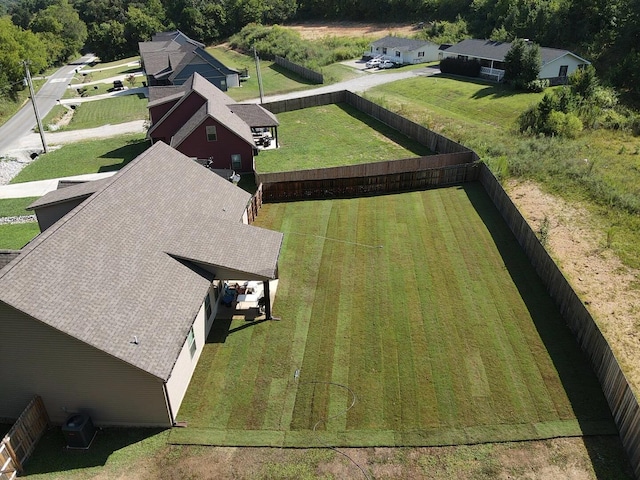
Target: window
(398, 54)
(236, 162)
(191, 341)
(563, 71)
(384, 50)
(207, 307)
(420, 54)
(212, 136)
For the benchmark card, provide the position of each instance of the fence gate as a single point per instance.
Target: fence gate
(21, 441)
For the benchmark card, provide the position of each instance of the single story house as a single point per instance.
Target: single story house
(403, 50)
(170, 58)
(106, 312)
(557, 64)
(205, 124)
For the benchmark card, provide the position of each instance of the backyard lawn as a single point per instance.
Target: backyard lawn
(332, 136)
(422, 309)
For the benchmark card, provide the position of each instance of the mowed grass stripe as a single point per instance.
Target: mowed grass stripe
(449, 326)
(444, 333)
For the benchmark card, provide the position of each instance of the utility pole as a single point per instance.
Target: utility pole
(255, 54)
(35, 106)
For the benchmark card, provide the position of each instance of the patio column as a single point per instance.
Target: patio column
(267, 300)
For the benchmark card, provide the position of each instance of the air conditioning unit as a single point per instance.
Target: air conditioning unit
(78, 431)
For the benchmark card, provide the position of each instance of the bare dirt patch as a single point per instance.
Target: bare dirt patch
(315, 31)
(560, 459)
(607, 287)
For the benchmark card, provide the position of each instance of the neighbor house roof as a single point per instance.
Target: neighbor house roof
(70, 192)
(238, 118)
(175, 36)
(167, 57)
(254, 115)
(136, 258)
(494, 50)
(399, 43)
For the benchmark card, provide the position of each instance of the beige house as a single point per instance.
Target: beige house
(107, 311)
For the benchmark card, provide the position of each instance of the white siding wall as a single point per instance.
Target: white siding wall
(185, 365)
(233, 80)
(72, 376)
(552, 69)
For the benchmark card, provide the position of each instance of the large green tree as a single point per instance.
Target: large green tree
(16, 46)
(60, 21)
(522, 63)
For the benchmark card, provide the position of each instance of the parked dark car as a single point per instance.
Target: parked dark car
(117, 85)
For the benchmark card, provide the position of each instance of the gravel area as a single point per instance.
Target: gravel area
(21, 219)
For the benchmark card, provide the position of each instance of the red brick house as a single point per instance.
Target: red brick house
(202, 122)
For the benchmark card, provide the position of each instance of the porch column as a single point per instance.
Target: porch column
(267, 300)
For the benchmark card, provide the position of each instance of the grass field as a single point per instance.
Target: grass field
(90, 156)
(483, 117)
(14, 237)
(14, 207)
(109, 111)
(100, 71)
(421, 305)
(275, 80)
(332, 136)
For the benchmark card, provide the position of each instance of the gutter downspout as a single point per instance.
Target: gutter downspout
(166, 398)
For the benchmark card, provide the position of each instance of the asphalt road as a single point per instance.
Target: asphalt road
(25, 120)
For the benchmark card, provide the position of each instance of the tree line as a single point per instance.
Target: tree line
(607, 32)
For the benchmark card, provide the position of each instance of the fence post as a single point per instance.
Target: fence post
(14, 458)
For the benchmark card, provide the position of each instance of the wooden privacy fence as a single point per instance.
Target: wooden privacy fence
(19, 443)
(621, 399)
(436, 142)
(304, 72)
(254, 205)
(368, 178)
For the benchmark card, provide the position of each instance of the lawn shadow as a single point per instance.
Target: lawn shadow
(390, 133)
(291, 75)
(495, 91)
(125, 154)
(580, 383)
(221, 327)
(51, 454)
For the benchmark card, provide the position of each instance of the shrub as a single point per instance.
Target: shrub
(538, 85)
(459, 66)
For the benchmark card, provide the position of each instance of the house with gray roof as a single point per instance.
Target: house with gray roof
(557, 64)
(403, 50)
(106, 311)
(170, 58)
(205, 124)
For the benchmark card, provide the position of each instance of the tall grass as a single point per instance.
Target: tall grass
(593, 168)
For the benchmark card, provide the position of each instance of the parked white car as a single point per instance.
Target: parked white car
(387, 64)
(374, 62)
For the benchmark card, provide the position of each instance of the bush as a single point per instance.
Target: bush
(538, 85)
(459, 66)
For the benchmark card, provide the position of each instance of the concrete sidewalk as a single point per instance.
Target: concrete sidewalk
(39, 188)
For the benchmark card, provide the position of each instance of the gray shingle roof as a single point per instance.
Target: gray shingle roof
(399, 43)
(6, 256)
(218, 106)
(79, 190)
(254, 115)
(493, 50)
(108, 270)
